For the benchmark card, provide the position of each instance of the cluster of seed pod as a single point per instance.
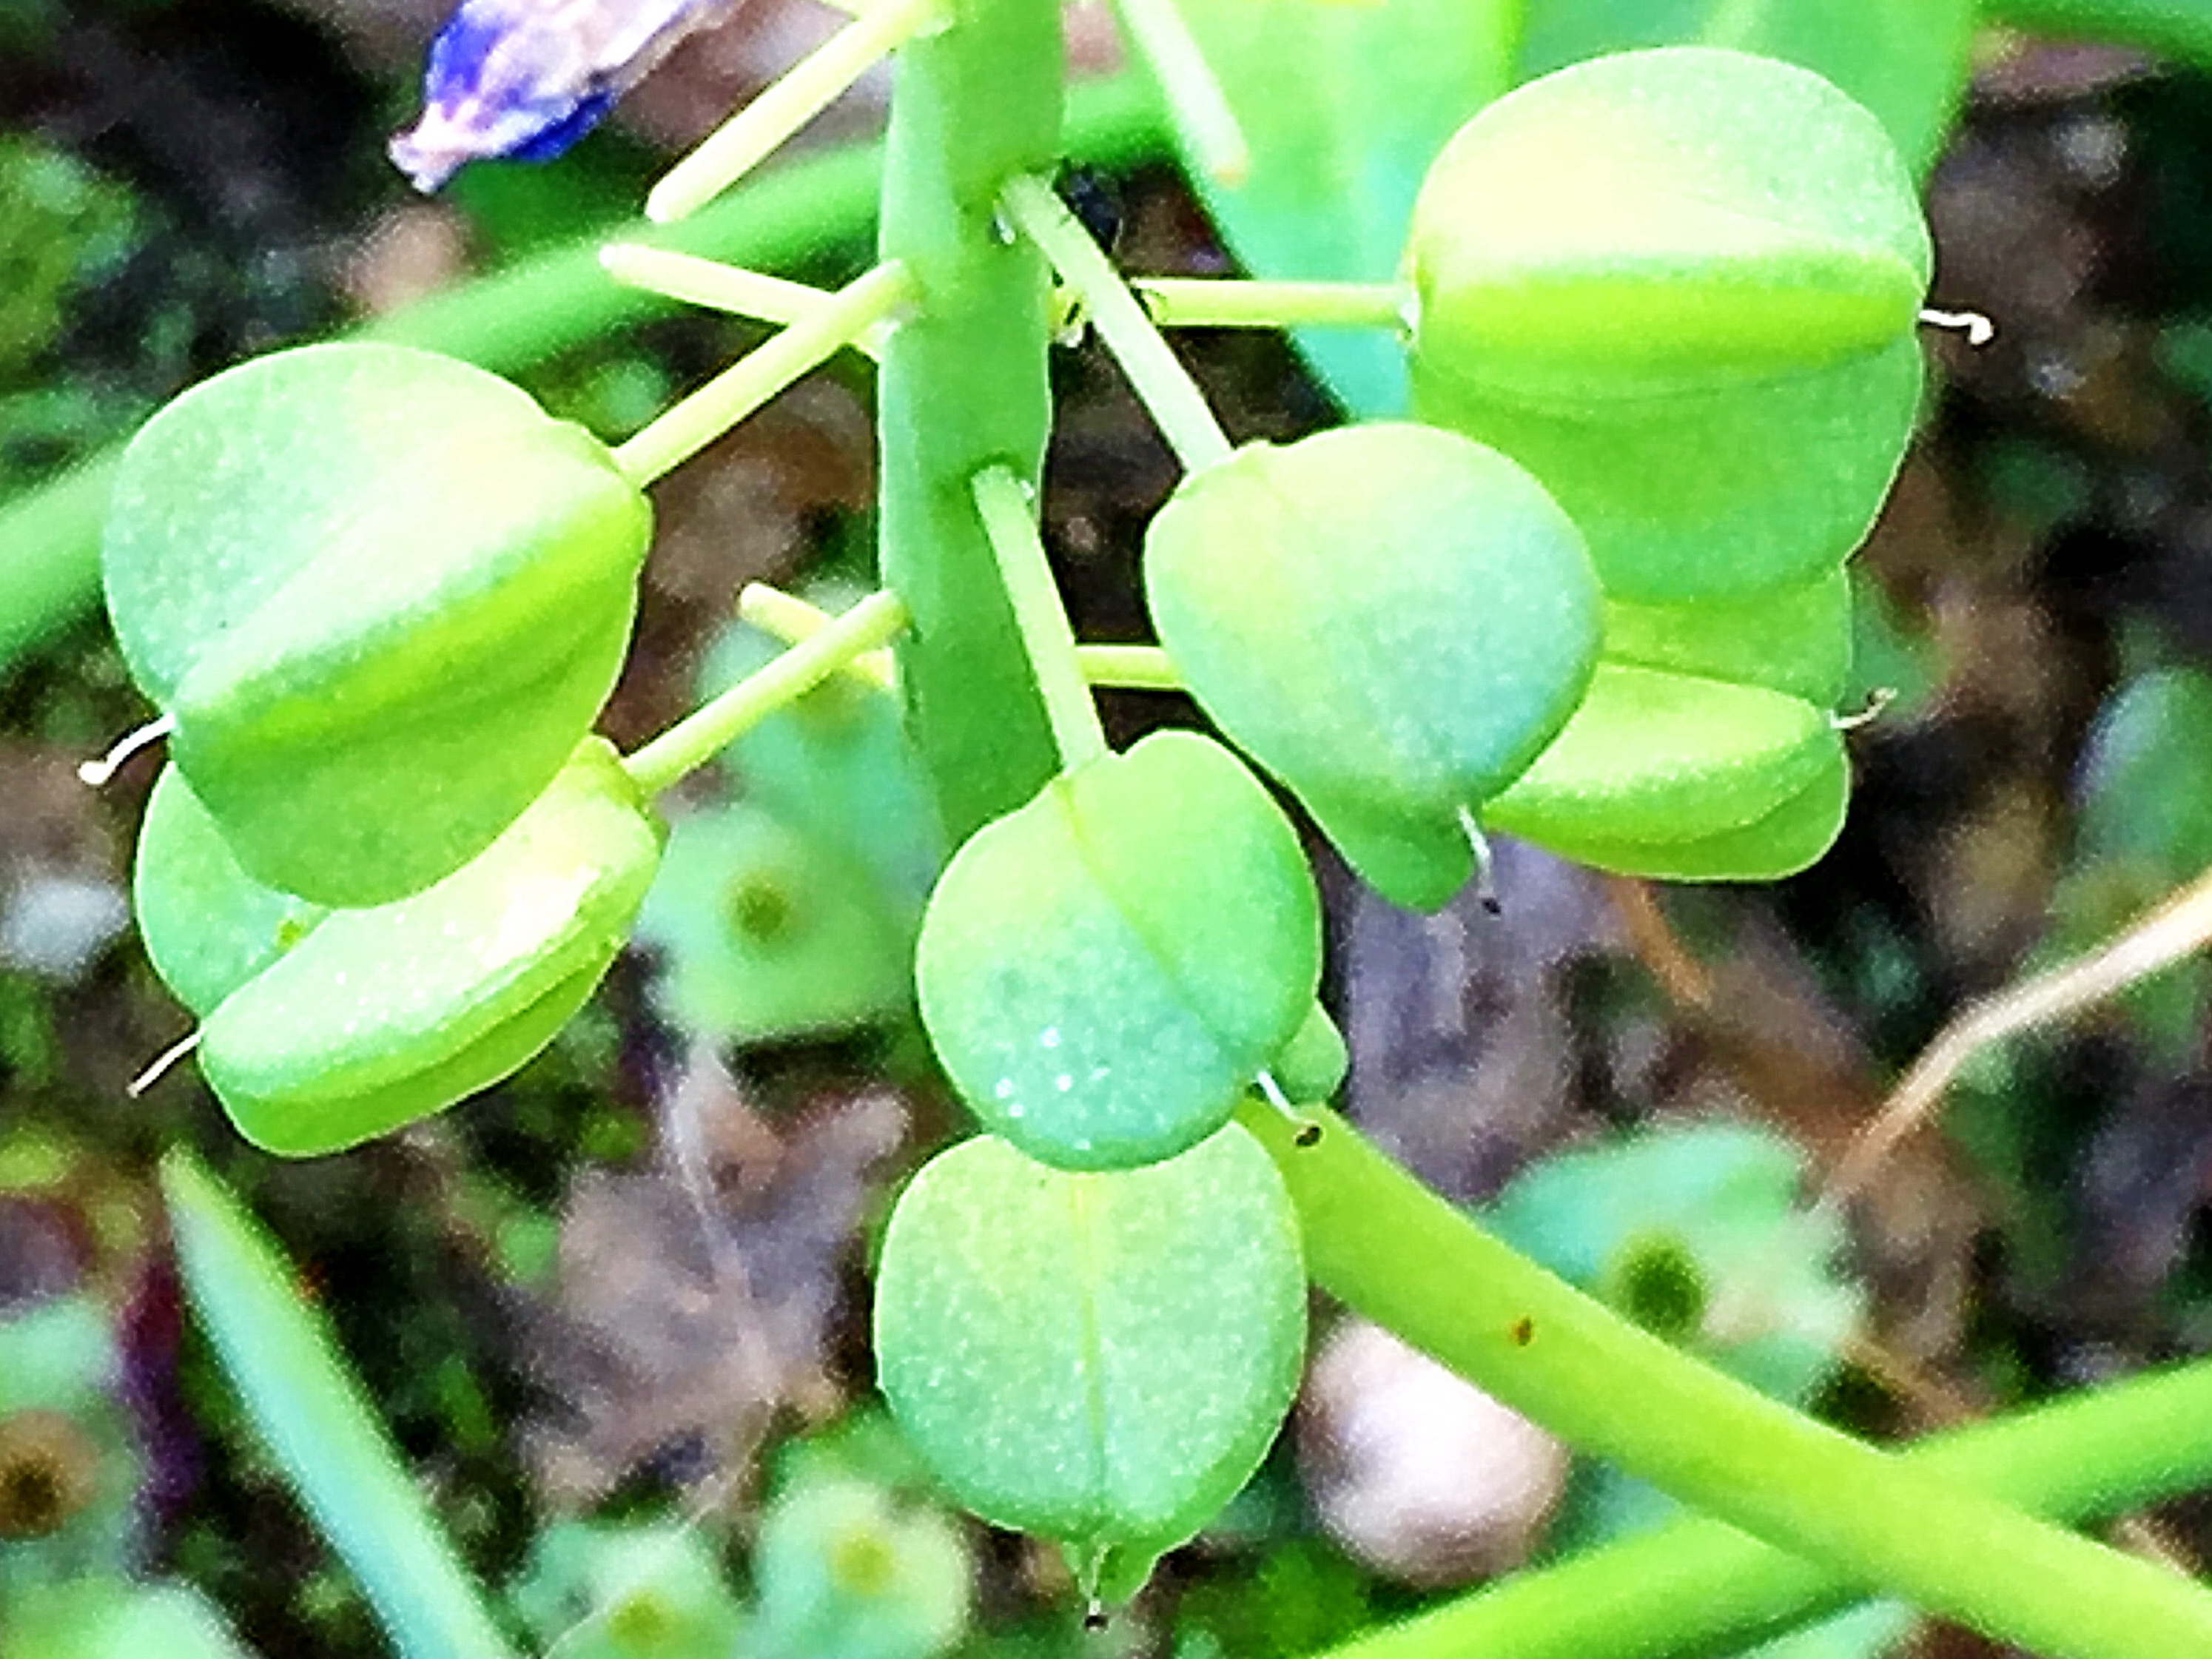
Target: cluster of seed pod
(382, 881)
(1678, 351)
(1666, 364)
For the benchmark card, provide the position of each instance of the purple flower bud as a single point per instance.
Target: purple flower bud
(528, 78)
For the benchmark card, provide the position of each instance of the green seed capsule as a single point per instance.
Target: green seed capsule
(1681, 286)
(1663, 222)
(208, 925)
(1671, 759)
(1105, 971)
(1391, 619)
(380, 1017)
(1311, 1069)
(1792, 640)
(1099, 1358)
(1780, 842)
(382, 596)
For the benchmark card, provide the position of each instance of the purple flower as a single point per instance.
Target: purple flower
(528, 78)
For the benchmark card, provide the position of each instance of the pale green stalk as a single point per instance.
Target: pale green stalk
(678, 434)
(712, 727)
(1208, 127)
(710, 284)
(786, 104)
(1128, 667)
(1009, 514)
(1210, 302)
(1162, 383)
(790, 618)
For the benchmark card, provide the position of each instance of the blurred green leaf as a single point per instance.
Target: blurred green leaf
(1903, 60)
(843, 1570)
(310, 1413)
(63, 227)
(69, 1467)
(768, 935)
(2144, 789)
(1335, 168)
(115, 1619)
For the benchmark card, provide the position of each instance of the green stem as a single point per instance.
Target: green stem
(1698, 1587)
(964, 386)
(708, 730)
(804, 209)
(1210, 302)
(786, 104)
(791, 619)
(1009, 517)
(1128, 667)
(678, 434)
(1162, 385)
(1389, 1249)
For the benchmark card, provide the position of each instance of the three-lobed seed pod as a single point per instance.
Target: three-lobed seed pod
(1681, 286)
(1392, 619)
(1104, 971)
(323, 1029)
(1099, 1358)
(382, 596)
(1705, 750)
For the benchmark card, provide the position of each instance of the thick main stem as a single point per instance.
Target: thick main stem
(1389, 1248)
(964, 388)
(1698, 1587)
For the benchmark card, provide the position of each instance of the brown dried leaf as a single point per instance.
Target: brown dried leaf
(696, 1299)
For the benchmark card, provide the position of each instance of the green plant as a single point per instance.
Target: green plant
(1662, 309)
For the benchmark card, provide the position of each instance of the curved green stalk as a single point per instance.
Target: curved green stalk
(964, 388)
(817, 205)
(1697, 1587)
(1391, 1250)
